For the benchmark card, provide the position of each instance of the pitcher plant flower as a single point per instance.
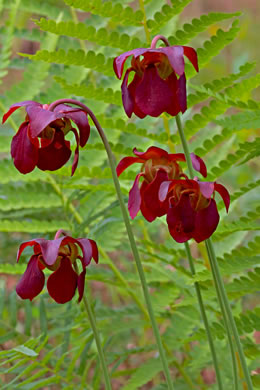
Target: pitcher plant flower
(192, 210)
(40, 141)
(59, 256)
(157, 167)
(159, 82)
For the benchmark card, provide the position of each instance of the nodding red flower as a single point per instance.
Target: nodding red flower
(57, 255)
(192, 211)
(158, 166)
(159, 83)
(40, 141)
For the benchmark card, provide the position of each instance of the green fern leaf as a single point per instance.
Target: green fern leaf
(33, 226)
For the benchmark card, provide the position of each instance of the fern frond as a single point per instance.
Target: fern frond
(242, 191)
(116, 12)
(190, 30)
(33, 226)
(240, 121)
(167, 12)
(89, 33)
(8, 174)
(45, 9)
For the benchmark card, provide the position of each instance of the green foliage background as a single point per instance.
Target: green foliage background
(45, 345)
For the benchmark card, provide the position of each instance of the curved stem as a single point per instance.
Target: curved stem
(93, 324)
(129, 233)
(204, 318)
(224, 303)
(159, 38)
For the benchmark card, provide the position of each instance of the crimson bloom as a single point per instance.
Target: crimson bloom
(158, 166)
(40, 141)
(192, 211)
(57, 255)
(155, 87)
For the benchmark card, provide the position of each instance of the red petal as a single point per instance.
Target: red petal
(23, 246)
(127, 98)
(134, 201)
(181, 93)
(176, 157)
(55, 155)
(125, 163)
(153, 152)
(32, 281)
(62, 283)
(76, 154)
(181, 220)
(15, 106)
(151, 207)
(40, 118)
(94, 250)
(206, 188)
(50, 249)
(120, 60)
(223, 192)
(206, 222)
(79, 117)
(87, 250)
(191, 54)
(178, 92)
(198, 164)
(175, 57)
(81, 284)
(23, 152)
(152, 94)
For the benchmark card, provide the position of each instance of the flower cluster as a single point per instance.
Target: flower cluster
(189, 204)
(59, 256)
(40, 141)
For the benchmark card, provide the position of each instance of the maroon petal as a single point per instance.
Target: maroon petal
(152, 94)
(63, 282)
(87, 250)
(32, 281)
(153, 152)
(181, 220)
(176, 157)
(81, 284)
(181, 93)
(50, 249)
(40, 118)
(15, 106)
(94, 250)
(178, 92)
(131, 90)
(223, 192)
(76, 154)
(191, 54)
(198, 164)
(55, 155)
(206, 222)
(150, 198)
(79, 117)
(175, 57)
(120, 60)
(134, 201)
(23, 246)
(206, 188)
(127, 98)
(23, 152)
(126, 162)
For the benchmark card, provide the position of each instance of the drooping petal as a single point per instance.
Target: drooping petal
(32, 281)
(206, 222)
(134, 201)
(198, 164)
(87, 250)
(223, 192)
(81, 284)
(76, 153)
(120, 60)
(127, 98)
(176, 157)
(175, 57)
(181, 220)
(126, 162)
(15, 106)
(23, 151)
(79, 117)
(153, 152)
(181, 93)
(94, 250)
(206, 188)
(40, 118)
(55, 155)
(23, 246)
(163, 190)
(49, 249)
(151, 207)
(63, 282)
(191, 54)
(152, 94)
(174, 105)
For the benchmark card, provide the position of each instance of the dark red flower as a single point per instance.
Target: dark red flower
(57, 255)
(192, 211)
(158, 166)
(155, 87)
(40, 141)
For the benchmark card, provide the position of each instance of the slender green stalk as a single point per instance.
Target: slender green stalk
(226, 323)
(227, 309)
(204, 318)
(93, 324)
(146, 29)
(129, 233)
(214, 266)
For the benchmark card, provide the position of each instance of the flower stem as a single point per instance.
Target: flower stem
(146, 29)
(224, 304)
(129, 233)
(204, 318)
(93, 324)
